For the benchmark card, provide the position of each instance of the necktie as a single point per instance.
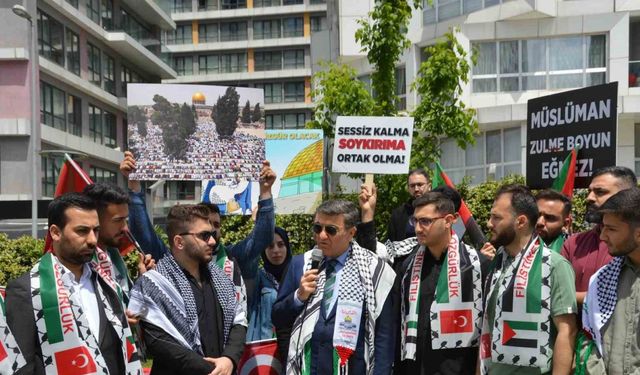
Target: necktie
(330, 273)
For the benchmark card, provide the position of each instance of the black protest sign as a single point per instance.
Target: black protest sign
(558, 123)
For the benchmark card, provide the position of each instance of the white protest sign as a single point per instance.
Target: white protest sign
(380, 145)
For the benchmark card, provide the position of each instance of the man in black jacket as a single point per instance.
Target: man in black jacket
(188, 308)
(399, 225)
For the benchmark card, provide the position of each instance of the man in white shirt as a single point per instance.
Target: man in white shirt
(67, 316)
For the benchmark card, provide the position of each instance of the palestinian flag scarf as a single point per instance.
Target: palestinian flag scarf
(222, 259)
(456, 311)
(68, 345)
(11, 359)
(365, 283)
(520, 335)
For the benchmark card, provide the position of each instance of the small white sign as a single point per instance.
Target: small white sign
(378, 145)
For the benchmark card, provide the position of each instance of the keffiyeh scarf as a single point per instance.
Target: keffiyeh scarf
(456, 312)
(11, 359)
(227, 265)
(365, 282)
(163, 297)
(522, 317)
(68, 345)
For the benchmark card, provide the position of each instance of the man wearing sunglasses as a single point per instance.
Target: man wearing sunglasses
(187, 305)
(400, 226)
(439, 282)
(344, 307)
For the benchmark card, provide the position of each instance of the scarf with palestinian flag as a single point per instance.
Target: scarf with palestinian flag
(365, 283)
(11, 359)
(222, 259)
(456, 311)
(520, 333)
(68, 345)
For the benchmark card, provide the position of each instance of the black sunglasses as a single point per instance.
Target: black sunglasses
(331, 230)
(205, 236)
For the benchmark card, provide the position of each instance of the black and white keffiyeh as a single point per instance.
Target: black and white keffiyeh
(164, 298)
(365, 281)
(601, 300)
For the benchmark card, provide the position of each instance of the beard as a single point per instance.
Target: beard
(629, 246)
(592, 215)
(504, 237)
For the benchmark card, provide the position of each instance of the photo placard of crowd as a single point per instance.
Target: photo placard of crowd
(196, 132)
(584, 119)
(369, 144)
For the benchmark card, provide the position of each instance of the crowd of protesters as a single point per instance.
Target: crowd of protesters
(535, 299)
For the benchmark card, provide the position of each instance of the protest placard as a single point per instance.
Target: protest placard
(196, 132)
(378, 145)
(558, 123)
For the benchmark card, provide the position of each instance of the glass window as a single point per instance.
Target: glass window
(534, 55)
(94, 66)
(266, 29)
(74, 115)
(183, 65)
(596, 51)
(51, 166)
(509, 57)
(50, 38)
(95, 124)
(266, 3)
(107, 14)
(469, 6)
(318, 23)
(294, 92)
(103, 175)
(74, 3)
(272, 92)
(208, 32)
(233, 62)
(292, 2)
(294, 59)
(233, 4)
(72, 48)
(110, 129)
(271, 60)
(181, 35)
(448, 9)
(494, 149)
(128, 76)
(293, 27)
(109, 74)
(512, 145)
(181, 6)
(209, 64)
(52, 106)
(565, 53)
(93, 10)
(207, 5)
(487, 62)
(230, 31)
(474, 154)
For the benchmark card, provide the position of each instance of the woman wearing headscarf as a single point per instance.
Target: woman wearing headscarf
(275, 258)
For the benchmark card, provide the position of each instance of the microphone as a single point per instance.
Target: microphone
(316, 258)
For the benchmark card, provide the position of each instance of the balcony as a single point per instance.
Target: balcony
(244, 44)
(227, 14)
(155, 12)
(242, 76)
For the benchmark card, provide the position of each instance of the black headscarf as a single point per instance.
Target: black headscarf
(278, 271)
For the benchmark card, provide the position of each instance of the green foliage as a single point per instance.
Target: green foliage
(440, 112)
(137, 117)
(256, 115)
(18, 256)
(175, 135)
(338, 92)
(383, 38)
(246, 113)
(165, 112)
(225, 115)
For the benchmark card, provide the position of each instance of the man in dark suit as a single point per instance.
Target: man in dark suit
(400, 227)
(66, 315)
(344, 307)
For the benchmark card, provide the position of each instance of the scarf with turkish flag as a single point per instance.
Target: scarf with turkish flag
(74, 179)
(476, 237)
(260, 358)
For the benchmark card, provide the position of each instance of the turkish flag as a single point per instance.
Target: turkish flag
(260, 358)
(456, 321)
(76, 361)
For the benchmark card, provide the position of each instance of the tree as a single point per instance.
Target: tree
(246, 113)
(164, 112)
(383, 38)
(175, 136)
(440, 112)
(338, 92)
(225, 115)
(257, 113)
(137, 118)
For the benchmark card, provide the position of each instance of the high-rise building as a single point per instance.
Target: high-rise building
(87, 52)
(525, 49)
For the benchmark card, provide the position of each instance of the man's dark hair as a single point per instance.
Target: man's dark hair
(522, 202)
(624, 174)
(443, 204)
(104, 194)
(56, 212)
(421, 171)
(181, 217)
(626, 204)
(336, 207)
(212, 207)
(552, 195)
(450, 193)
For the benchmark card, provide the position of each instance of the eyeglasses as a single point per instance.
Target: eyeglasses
(331, 230)
(205, 236)
(424, 221)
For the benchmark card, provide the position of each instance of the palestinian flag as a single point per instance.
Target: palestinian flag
(475, 233)
(73, 179)
(565, 180)
(519, 334)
